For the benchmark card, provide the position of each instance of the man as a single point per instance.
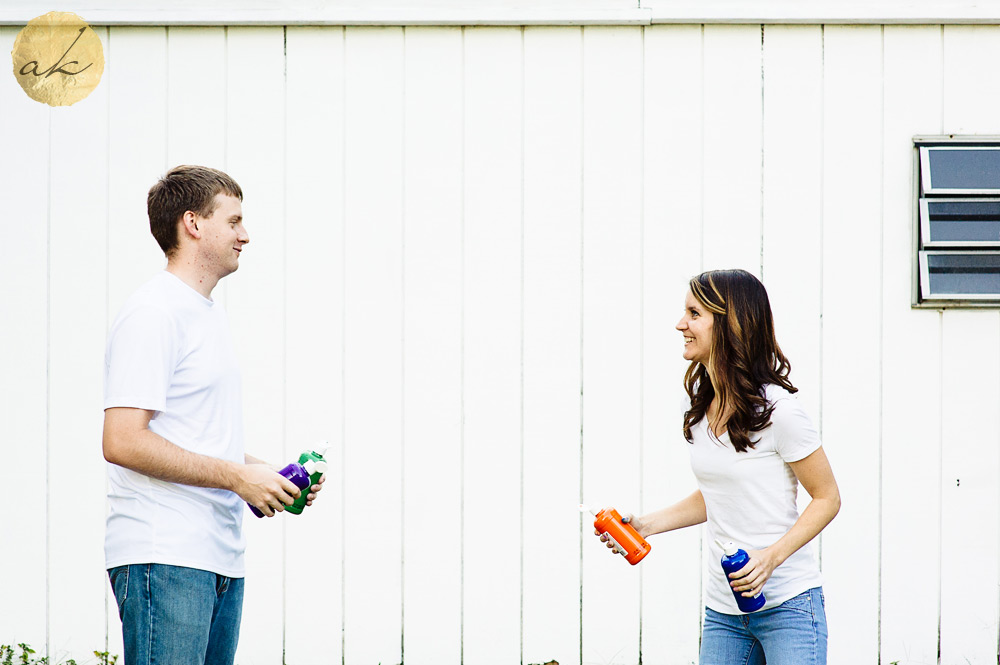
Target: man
(173, 434)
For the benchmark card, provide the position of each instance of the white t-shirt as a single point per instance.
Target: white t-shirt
(751, 498)
(171, 351)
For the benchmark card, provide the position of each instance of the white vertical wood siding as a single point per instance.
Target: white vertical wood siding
(469, 249)
(970, 399)
(850, 259)
(911, 436)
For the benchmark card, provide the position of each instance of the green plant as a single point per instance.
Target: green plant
(104, 658)
(8, 656)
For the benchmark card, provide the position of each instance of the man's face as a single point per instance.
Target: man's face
(223, 236)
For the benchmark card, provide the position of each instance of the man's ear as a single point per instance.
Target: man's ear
(190, 222)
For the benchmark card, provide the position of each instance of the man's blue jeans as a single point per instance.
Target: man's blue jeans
(177, 616)
(793, 633)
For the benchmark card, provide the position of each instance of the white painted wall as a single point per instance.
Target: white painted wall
(469, 248)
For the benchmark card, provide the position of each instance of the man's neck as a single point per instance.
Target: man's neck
(194, 276)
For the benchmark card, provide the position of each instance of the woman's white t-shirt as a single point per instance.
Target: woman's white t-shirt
(751, 498)
(171, 352)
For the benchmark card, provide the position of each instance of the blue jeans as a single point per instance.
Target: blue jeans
(173, 615)
(793, 633)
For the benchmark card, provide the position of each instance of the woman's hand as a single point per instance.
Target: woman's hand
(751, 578)
(638, 523)
(628, 518)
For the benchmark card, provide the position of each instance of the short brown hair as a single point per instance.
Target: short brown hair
(184, 188)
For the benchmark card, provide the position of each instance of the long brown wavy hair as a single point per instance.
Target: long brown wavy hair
(744, 355)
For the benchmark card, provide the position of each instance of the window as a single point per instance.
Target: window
(957, 231)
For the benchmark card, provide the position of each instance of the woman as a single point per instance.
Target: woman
(751, 444)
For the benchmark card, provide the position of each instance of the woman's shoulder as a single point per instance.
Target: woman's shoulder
(773, 393)
(786, 409)
(783, 403)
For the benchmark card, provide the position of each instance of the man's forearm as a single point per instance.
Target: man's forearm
(150, 454)
(129, 442)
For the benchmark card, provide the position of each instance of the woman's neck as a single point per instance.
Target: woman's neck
(718, 415)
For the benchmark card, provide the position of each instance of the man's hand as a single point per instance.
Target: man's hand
(265, 489)
(314, 490)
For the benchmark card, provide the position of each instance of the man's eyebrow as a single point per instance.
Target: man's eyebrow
(236, 218)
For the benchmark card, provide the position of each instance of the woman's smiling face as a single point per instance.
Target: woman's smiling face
(696, 326)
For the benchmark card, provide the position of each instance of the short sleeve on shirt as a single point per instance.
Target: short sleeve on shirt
(140, 358)
(795, 438)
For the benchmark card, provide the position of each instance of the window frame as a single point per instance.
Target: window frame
(925, 273)
(925, 173)
(925, 225)
(920, 273)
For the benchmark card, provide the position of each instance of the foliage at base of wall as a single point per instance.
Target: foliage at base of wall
(26, 657)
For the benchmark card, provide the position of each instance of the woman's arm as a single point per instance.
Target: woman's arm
(686, 512)
(816, 476)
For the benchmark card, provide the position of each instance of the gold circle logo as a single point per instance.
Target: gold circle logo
(58, 59)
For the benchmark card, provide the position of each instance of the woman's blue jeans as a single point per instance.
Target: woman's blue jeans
(173, 615)
(793, 633)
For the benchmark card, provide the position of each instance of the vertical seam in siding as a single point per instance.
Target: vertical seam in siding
(583, 197)
(701, 183)
(343, 344)
(760, 245)
(822, 210)
(461, 481)
(284, 330)
(225, 129)
(225, 97)
(941, 82)
(521, 549)
(881, 349)
(940, 380)
(166, 86)
(698, 608)
(48, 390)
(402, 359)
(940, 478)
(107, 274)
(642, 289)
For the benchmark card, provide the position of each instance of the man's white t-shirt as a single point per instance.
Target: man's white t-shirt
(751, 498)
(171, 351)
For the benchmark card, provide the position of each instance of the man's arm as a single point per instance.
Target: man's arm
(128, 442)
